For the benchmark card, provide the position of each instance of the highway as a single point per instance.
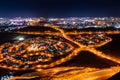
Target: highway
(71, 73)
(87, 73)
(86, 48)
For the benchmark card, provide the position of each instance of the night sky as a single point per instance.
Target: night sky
(59, 8)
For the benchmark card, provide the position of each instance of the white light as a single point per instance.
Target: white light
(40, 59)
(117, 26)
(21, 39)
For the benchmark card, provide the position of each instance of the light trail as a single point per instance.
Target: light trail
(103, 55)
(72, 32)
(22, 78)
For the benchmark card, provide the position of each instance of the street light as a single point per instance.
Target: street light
(20, 38)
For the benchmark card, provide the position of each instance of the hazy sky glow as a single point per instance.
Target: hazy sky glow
(59, 8)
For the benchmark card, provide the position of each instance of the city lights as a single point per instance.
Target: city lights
(59, 39)
(53, 48)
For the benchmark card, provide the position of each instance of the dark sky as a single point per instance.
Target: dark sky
(59, 8)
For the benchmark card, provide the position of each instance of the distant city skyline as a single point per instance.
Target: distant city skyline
(59, 8)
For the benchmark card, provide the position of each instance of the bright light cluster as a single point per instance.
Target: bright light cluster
(33, 53)
(29, 53)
